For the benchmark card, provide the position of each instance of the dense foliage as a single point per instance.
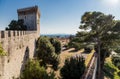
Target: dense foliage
(16, 25)
(57, 45)
(33, 70)
(117, 50)
(73, 68)
(101, 31)
(116, 60)
(111, 71)
(46, 52)
(74, 44)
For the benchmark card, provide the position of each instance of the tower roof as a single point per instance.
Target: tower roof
(28, 10)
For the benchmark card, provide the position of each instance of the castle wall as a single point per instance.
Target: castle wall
(19, 45)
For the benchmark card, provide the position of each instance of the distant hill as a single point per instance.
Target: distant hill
(57, 35)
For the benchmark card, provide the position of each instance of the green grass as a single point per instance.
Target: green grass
(89, 56)
(110, 70)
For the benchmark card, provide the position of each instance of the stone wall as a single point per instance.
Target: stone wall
(29, 20)
(19, 45)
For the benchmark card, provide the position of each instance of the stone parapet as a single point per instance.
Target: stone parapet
(7, 34)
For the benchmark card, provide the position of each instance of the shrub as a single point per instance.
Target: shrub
(87, 50)
(73, 68)
(33, 70)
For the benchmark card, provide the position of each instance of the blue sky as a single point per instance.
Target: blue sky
(58, 16)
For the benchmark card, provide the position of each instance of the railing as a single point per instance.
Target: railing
(90, 72)
(95, 70)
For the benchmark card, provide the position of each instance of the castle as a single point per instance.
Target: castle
(19, 45)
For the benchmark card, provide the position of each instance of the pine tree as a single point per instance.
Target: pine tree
(101, 31)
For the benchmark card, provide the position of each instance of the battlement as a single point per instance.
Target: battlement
(9, 34)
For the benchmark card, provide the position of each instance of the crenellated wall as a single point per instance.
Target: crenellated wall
(19, 45)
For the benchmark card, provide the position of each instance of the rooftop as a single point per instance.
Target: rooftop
(29, 9)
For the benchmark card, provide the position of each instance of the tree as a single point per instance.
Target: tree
(21, 25)
(46, 52)
(74, 43)
(73, 68)
(12, 25)
(117, 50)
(16, 25)
(70, 37)
(102, 32)
(33, 70)
(57, 45)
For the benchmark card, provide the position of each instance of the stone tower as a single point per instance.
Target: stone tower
(31, 17)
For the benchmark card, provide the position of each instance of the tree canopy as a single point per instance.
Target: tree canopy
(46, 52)
(16, 25)
(101, 31)
(57, 45)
